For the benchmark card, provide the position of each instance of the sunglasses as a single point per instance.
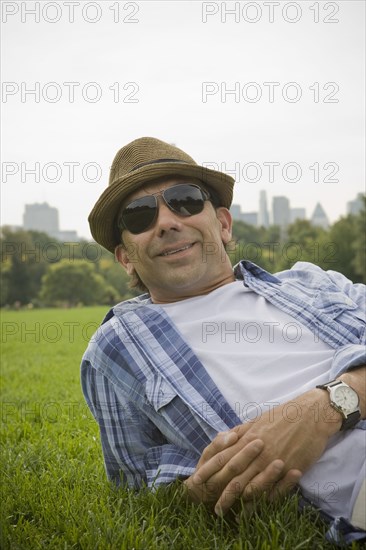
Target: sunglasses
(185, 199)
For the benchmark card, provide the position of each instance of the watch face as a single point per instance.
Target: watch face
(346, 398)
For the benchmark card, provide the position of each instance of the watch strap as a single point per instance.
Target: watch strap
(351, 420)
(329, 384)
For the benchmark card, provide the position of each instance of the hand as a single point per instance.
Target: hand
(199, 488)
(291, 438)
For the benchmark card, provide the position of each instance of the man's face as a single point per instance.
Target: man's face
(178, 257)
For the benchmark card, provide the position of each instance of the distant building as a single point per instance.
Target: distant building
(281, 211)
(235, 210)
(297, 214)
(250, 217)
(44, 218)
(263, 217)
(319, 217)
(357, 205)
(67, 236)
(41, 217)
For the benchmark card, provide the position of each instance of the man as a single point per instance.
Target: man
(237, 382)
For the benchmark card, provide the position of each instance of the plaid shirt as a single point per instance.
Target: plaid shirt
(156, 406)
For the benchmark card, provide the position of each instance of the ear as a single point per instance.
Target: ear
(226, 221)
(122, 257)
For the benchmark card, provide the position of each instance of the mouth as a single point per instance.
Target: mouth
(176, 250)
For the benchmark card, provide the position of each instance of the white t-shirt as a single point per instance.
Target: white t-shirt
(259, 357)
(254, 352)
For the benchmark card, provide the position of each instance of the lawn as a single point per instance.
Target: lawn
(54, 490)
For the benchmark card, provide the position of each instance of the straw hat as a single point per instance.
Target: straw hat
(137, 163)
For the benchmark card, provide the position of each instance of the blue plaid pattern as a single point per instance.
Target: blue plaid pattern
(156, 406)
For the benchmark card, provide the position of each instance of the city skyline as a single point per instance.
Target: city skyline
(249, 204)
(45, 217)
(282, 213)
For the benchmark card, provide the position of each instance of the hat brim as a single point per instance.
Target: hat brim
(102, 219)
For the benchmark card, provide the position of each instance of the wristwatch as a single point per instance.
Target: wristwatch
(345, 400)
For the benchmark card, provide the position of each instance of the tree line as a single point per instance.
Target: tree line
(39, 271)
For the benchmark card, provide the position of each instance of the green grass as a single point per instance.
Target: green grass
(54, 491)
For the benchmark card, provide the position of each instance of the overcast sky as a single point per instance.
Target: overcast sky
(293, 124)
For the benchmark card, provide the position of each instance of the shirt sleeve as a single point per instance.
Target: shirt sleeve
(352, 355)
(135, 451)
(355, 291)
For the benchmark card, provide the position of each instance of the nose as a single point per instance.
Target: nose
(166, 219)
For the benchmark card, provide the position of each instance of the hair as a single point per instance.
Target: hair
(135, 282)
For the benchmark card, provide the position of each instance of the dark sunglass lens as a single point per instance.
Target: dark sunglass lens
(186, 200)
(139, 214)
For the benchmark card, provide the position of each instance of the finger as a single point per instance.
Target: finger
(231, 465)
(249, 481)
(206, 492)
(242, 429)
(286, 484)
(221, 442)
(264, 481)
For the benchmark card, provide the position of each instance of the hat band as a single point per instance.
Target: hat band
(157, 162)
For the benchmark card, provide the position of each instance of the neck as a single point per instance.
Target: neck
(177, 295)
